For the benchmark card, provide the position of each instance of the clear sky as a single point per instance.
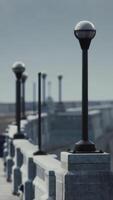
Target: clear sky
(40, 33)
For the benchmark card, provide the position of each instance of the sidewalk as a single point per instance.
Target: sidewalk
(5, 187)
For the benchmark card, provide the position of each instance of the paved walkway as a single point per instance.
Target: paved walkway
(5, 187)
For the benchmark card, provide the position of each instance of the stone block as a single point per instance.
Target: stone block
(91, 161)
(87, 176)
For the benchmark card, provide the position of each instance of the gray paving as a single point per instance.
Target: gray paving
(5, 187)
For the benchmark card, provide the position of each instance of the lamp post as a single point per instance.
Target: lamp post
(18, 69)
(40, 151)
(60, 107)
(44, 88)
(49, 89)
(60, 87)
(24, 78)
(34, 98)
(84, 32)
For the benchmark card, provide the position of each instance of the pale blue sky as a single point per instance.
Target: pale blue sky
(40, 33)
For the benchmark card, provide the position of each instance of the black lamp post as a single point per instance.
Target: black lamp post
(44, 88)
(34, 98)
(60, 107)
(85, 32)
(24, 78)
(60, 87)
(18, 69)
(40, 151)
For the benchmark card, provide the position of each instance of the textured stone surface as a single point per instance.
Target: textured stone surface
(92, 161)
(88, 176)
(89, 186)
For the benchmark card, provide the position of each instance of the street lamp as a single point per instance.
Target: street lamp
(84, 31)
(49, 89)
(60, 105)
(18, 69)
(24, 78)
(44, 88)
(40, 151)
(34, 98)
(60, 87)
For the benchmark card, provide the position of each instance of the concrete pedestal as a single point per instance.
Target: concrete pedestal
(87, 177)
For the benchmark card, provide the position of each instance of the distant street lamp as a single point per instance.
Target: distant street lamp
(44, 88)
(85, 32)
(18, 69)
(24, 78)
(34, 98)
(60, 87)
(49, 89)
(60, 107)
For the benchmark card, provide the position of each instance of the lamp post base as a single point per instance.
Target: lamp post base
(23, 117)
(38, 153)
(19, 136)
(84, 147)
